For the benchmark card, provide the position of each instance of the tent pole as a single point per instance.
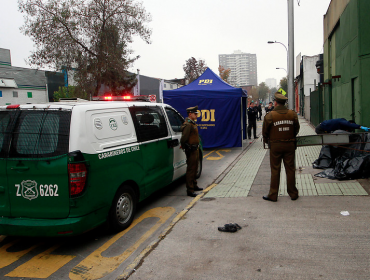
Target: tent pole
(241, 119)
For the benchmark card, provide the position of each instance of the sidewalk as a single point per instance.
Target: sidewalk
(304, 239)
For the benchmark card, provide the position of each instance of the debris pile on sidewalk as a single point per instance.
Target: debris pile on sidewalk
(345, 162)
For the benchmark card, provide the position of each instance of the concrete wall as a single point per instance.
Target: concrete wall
(332, 16)
(310, 74)
(38, 96)
(307, 110)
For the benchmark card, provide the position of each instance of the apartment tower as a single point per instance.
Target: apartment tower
(243, 68)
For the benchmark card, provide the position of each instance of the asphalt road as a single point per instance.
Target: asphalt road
(99, 254)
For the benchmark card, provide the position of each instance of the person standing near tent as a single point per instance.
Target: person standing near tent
(279, 130)
(252, 117)
(259, 108)
(190, 143)
(269, 108)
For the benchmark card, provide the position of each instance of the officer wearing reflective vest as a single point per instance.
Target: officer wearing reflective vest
(279, 130)
(190, 143)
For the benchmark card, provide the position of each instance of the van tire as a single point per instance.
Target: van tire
(123, 209)
(200, 165)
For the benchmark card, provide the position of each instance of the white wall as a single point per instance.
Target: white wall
(310, 73)
(38, 96)
(169, 86)
(307, 105)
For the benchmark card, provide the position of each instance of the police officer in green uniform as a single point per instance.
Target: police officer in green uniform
(279, 130)
(190, 143)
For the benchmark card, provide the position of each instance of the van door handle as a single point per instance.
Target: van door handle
(21, 168)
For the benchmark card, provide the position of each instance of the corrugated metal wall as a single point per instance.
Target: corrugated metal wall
(347, 54)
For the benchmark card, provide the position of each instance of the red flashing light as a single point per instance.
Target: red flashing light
(15, 106)
(127, 97)
(77, 177)
(108, 97)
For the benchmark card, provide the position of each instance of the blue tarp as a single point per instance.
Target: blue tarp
(219, 121)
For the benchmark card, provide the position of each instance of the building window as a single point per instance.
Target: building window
(171, 86)
(15, 93)
(29, 94)
(1, 93)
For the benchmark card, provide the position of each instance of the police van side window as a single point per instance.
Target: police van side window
(149, 122)
(176, 120)
(41, 134)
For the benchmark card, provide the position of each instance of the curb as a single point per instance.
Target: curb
(139, 259)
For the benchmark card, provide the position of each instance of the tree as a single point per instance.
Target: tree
(272, 93)
(262, 91)
(224, 73)
(253, 94)
(194, 69)
(284, 84)
(90, 34)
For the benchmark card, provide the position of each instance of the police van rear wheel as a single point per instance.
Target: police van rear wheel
(200, 165)
(123, 209)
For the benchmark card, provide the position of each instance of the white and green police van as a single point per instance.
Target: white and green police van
(68, 167)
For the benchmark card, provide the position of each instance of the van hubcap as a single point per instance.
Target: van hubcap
(124, 208)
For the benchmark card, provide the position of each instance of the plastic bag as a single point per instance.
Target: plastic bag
(346, 164)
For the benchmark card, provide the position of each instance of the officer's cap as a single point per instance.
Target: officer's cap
(192, 109)
(280, 98)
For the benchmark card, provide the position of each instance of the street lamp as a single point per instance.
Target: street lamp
(275, 42)
(287, 57)
(290, 75)
(283, 69)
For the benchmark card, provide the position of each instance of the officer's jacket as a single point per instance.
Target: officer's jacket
(190, 133)
(280, 125)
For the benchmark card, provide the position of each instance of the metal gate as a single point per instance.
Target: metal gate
(316, 106)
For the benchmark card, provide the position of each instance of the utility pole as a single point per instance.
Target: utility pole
(291, 93)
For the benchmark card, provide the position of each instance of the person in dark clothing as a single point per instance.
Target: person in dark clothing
(269, 108)
(252, 117)
(329, 126)
(259, 108)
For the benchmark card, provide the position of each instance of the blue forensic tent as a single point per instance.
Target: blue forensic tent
(222, 109)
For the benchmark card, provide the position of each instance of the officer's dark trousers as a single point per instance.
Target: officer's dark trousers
(252, 124)
(191, 170)
(282, 151)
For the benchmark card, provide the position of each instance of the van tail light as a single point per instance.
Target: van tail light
(77, 177)
(15, 106)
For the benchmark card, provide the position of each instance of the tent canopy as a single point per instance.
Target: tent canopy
(219, 104)
(208, 85)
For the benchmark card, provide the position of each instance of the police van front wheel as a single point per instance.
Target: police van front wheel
(123, 209)
(200, 165)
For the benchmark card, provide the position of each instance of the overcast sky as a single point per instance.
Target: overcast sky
(203, 29)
